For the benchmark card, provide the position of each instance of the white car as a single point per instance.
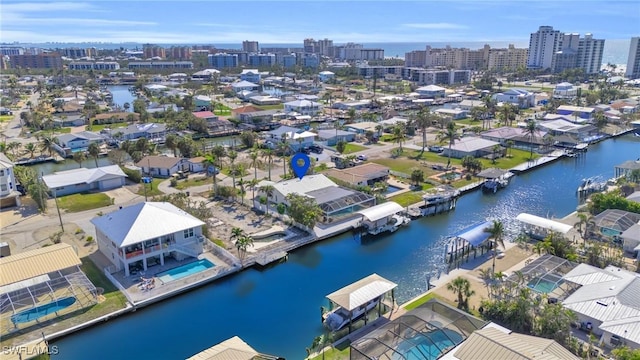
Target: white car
(361, 157)
(500, 254)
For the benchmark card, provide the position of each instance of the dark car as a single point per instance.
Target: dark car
(21, 189)
(316, 149)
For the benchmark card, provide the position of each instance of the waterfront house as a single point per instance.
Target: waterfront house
(83, 179)
(325, 76)
(362, 175)
(206, 115)
(115, 117)
(263, 100)
(145, 234)
(332, 137)
(79, 141)
(9, 195)
(631, 239)
(69, 120)
(581, 112)
(431, 91)
(348, 105)
(262, 119)
(470, 104)
(294, 137)
(606, 303)
(626, 168)
(388, 124)
(161, 108)
(470, 146)
(154, 132)
(244, 85)
(334, 201)
(454, 114)
(202, 103)
(162, 166)
(250, 75)
(521, 98)
(196, 164)
(362, 127)
(304, 107)
(205, 75)
(563, 127)
(565, 90)
(613, 222)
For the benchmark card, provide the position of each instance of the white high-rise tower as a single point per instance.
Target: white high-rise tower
(633, 62)
(543, 44)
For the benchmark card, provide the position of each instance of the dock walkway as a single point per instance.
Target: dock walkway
(524, 167)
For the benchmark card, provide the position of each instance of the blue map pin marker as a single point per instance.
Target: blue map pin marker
(300, 163)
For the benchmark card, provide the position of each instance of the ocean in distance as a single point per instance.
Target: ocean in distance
(616, 51)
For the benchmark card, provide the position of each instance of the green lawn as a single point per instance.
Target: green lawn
(464, 182)
(82, 202)
(97, 128)
(221, 109)
(352, 148)
(470, 122)
(334, 354)
(419, 301)
(270, 107)
(408, 198)
(184, 184)
(4, 118)
(58, 131)
(406, 165)
(517, 157)
(152, 189)
(114, 299)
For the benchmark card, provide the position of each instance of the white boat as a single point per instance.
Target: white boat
(394, 224)
(493, 185)
(340, 317)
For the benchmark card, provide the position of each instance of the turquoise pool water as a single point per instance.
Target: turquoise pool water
(42, 310)
(427, 347)
(185, 270)
(391, 189)
(542, 286)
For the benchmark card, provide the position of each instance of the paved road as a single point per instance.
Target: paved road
(12, 129)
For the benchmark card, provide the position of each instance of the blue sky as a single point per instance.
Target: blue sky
(211, 22)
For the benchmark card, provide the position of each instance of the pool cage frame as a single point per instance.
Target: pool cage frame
(54, 286)
(430, 318)
(547, 268)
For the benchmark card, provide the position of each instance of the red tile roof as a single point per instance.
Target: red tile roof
(204, 114)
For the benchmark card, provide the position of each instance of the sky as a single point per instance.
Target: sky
(289, 22)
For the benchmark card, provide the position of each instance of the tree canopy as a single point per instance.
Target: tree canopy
(304, 210)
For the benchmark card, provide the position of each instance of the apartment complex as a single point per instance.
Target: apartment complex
(633, 62)
(39, 61)
(223, 60)
(160, 65)
(77, 53)
(179, 52)
(509, 58)
(551, 49)
(421, 76)
(94, 65)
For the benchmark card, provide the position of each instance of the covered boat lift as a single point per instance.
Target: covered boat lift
(466, 240)
(361, 292)
(538, 227)
(381, 217)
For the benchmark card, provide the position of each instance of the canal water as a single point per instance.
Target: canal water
(277, 311)
(121, 95)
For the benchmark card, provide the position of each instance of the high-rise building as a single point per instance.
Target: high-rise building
(633, 62)
(40, 61)
(508, 59)
(250, 46)
(324, 47)
(179, 52)
(150, 51)
(416, 58)
(74, 53)
(309, 46)
(590, 52)
(543, 44)
(11, 50)
(262, 60)
(222, 60)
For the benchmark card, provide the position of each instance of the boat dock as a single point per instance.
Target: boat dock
(522, 168)
(265, 259)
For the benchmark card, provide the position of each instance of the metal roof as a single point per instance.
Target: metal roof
(476, 234)
(144, 221)
(304, 186)
(544, 223)
(361, 291)
(491, 173)
(230, 349)
(380, 211)
(82, 176)
(627, 328)
(491, 343)
(33, 263)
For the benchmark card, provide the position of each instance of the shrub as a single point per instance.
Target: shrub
(281, 208)
(133, 175)
(467, 177)
(79, 231)
(173, 182)
(89, 239)
(262, 200)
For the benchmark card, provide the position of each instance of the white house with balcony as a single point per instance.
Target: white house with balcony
(9, 196)
(135, 237)
(565, 90)
(521, 98)
(304, 107)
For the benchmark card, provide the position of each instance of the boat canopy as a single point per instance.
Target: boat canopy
(475, 235)
(544, 223)
(492, 173)
(361, 292)
(381, 211)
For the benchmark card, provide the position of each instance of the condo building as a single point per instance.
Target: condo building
(250, 46)
(633, 62)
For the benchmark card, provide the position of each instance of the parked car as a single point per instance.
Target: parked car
(361, 157)
(316, 149)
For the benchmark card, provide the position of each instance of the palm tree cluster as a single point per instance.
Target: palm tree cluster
(461, 287)
(242, 242)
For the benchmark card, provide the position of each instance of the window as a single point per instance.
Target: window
(3, 187)
(188, 233)
(1, 172)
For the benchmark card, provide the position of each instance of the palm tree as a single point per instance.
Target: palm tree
(236, 233)
(581, 225)
(268, 191)
(461, 287)
(242, 244)
(79, 157)
(94, 151)
(268, 154)
(399, 134)
(450, 134)
(233, 155)
(210, 161)
(509, 144)
(506, 111)
(31, 149)
(47, 142)
(496, 232)
(242, 191)
(487, 277)
(531, 131)
(171, 142)
(13, 147)
(423, 119)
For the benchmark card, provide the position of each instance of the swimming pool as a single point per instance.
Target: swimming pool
(542, 286)
(450, 176)
(184, 270)
(42, 310)
(428, 346)
(391, 189)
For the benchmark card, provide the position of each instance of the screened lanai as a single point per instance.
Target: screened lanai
(544, 276)
(427, 332)
(42, 284)
(336, 202)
